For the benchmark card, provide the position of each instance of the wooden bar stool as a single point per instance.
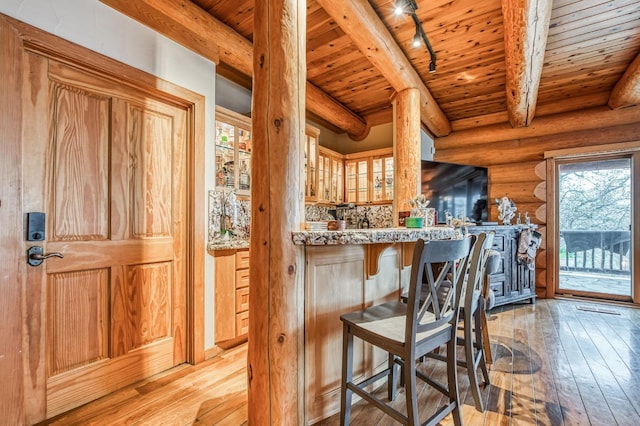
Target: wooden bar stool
(472, 311)
(408, 331)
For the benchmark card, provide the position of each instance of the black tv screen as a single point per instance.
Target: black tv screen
(458, 189)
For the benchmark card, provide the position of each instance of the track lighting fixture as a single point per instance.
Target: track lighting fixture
(409, 7)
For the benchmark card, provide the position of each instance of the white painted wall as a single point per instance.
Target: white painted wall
(93, 25)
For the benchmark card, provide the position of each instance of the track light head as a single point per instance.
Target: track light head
(416, 39)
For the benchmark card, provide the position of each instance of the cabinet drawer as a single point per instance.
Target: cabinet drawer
(498, 288)
(242, 323)
(242, 278)
(498, 243)
(242, 299)
(242, 259)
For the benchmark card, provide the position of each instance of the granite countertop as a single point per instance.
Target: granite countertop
(371, 236)
(359, 236)
(349, 236)
(230, 244)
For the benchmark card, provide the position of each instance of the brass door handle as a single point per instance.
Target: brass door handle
(35, 255)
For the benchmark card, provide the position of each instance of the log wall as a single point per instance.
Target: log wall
(517, 169)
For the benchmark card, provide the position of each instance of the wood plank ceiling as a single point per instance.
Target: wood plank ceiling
(496, 63)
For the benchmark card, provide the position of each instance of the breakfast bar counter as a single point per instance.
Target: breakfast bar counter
(342, 271)
(371, 236)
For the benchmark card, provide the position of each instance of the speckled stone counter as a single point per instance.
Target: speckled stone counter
(371, 236)
(232, 244)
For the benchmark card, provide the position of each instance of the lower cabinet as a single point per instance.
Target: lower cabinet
(231, 296)
(335, 283)
(513, 282)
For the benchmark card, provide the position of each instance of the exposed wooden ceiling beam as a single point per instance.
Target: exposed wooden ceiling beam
(194, 28)
(588, 119)
(526, 26)
(361, 23)
(626, 92)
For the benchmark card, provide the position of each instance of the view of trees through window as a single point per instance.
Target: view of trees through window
(596, 196)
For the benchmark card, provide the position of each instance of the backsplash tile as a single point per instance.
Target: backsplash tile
(237, 220)
(237, 223)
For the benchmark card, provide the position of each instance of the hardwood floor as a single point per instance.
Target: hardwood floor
(557, 362)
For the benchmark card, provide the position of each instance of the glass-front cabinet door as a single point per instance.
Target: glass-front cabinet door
(233, 151)
(382, 170)
(357, 181)
(369, 177)
(363, 181)
(310, 164)
(330, 176)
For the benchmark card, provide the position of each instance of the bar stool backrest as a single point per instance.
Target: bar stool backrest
(477, 266)
(435, 263)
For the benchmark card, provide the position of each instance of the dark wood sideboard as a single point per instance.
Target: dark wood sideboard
(513, 282)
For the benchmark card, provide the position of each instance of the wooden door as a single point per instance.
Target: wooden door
(107, 164)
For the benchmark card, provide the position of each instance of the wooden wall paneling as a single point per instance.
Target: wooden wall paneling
(276, 332)
(331, 289)
(518, 172)
(530, 148)
(558, 106)
(12, 267)
(521, 192)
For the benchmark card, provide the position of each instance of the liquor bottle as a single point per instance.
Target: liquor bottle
(365, 222)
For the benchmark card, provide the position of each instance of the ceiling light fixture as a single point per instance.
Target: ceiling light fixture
(409, 7)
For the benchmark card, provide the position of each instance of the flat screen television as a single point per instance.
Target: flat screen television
(458, 189)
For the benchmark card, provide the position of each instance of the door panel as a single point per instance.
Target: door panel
(114, 194)
(140, 307)
(77, 340)
(80, 173)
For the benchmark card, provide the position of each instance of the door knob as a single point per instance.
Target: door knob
(35, 255)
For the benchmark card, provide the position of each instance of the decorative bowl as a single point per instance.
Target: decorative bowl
(413, 222)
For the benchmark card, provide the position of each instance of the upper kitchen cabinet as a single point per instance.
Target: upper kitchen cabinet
(330, 176)
(369, 177)
(233, 151)
(310, 164)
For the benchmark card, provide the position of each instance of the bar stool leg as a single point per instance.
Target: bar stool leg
(347, 375)
(452, 379)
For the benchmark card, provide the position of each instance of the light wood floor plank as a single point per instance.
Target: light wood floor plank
(554, 364)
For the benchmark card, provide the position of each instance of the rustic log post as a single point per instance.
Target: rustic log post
(406, 149)
(275, 325)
